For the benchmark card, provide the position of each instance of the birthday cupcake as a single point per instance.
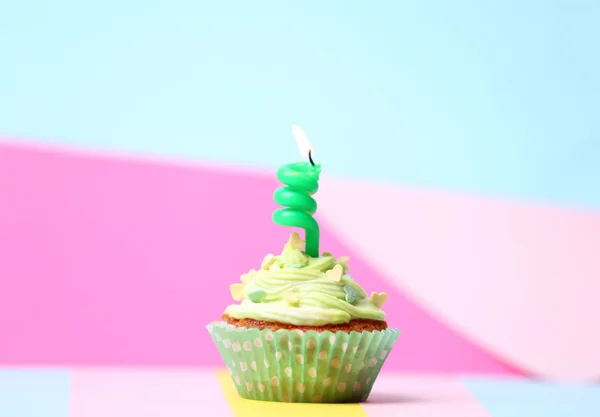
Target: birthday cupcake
(304, 330)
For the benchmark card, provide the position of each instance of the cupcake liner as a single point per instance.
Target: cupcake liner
(298, 366)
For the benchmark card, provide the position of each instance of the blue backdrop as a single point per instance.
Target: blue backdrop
(498, 97)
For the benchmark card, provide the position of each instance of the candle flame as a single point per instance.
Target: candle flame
(302, 141)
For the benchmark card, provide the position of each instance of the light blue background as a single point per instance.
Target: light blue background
(496, 97)
(516, 398)
(34, 393)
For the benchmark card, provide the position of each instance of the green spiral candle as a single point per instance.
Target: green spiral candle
(301, 181)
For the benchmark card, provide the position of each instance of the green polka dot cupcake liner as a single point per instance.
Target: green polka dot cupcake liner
(297, 366)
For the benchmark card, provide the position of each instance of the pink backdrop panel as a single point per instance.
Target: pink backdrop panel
(521, 279)
(114, 262)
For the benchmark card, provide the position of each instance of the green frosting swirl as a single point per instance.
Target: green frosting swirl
(303, 291)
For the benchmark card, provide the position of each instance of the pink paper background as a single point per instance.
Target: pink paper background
(123, 263)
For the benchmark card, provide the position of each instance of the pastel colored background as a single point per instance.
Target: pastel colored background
(461, 153)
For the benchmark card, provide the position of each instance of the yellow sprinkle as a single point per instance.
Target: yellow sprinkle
(291, 298)
(246, 278)
(296, 242)
(267, 262)
(336, 273)
(237, 291)
(378, 298)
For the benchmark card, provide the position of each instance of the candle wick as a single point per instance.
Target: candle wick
(310, 157)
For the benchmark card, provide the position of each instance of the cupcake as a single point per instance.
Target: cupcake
(303, 330)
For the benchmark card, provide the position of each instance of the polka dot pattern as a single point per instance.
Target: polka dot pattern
(300, 366)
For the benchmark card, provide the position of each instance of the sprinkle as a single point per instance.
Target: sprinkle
(344, 259)
(237, 291)
(336, 273)
(360, 293)
(267, 262)
(246, 278)
(350, 294)
(291, 298)
(296, 242)
(378, 298)
(257, 295)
